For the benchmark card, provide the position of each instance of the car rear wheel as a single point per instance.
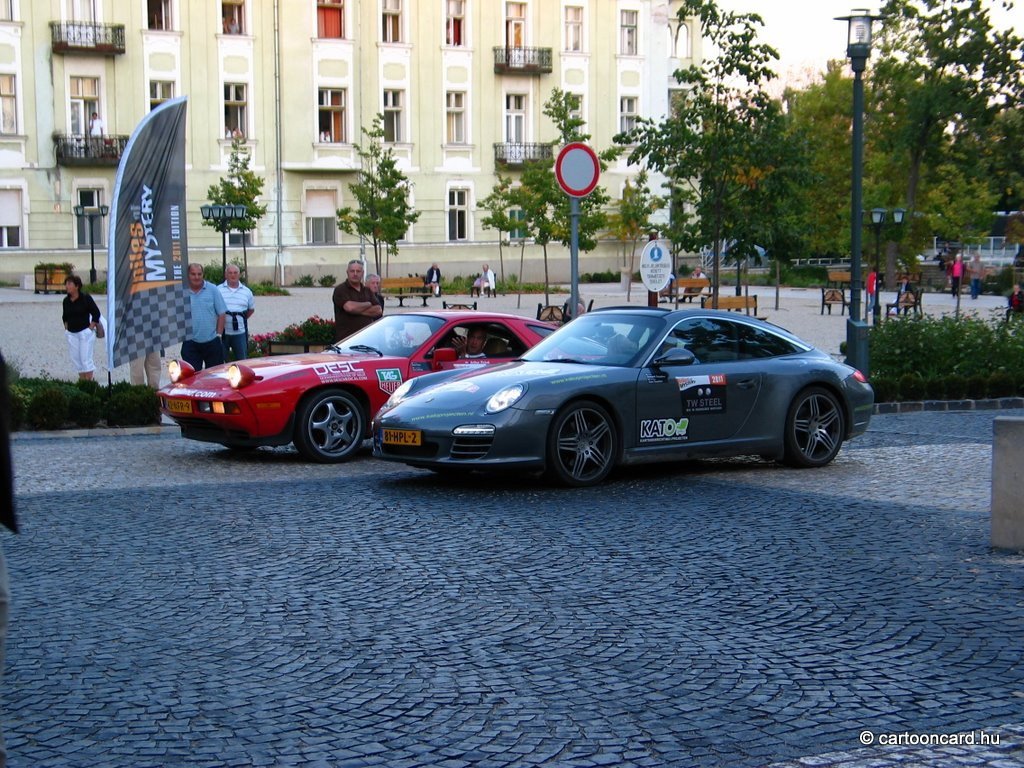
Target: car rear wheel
(330, 426)
(582, 445)
(814, 429)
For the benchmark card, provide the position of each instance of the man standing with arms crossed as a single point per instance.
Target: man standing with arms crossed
(202, 346)
(239, 301)
(355, 306)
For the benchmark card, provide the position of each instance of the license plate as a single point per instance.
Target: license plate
(179, 406)
(402, 437)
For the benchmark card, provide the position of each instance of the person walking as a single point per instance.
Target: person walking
(240, 305)
(355, 306)
(202, 346)
(977, 270)
(956, 273)
(81, 317)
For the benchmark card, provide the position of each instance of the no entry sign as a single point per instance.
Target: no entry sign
(577, 169)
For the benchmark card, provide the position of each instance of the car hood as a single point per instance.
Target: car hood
(282, 367)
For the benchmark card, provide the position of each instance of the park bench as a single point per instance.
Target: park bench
(907, 302)
(689, 288)
(403, 288)
(835, 291)
(746, 304)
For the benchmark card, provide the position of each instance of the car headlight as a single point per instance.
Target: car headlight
(505, 398)
(240, 375)
(397, 396)
(179, 370)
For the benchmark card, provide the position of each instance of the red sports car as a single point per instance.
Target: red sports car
(324, 402)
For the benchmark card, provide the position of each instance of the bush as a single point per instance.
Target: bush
(935, 389)
(85, 409)
(267, 288)
(303, 281)
(911, 387)
(89, 387)
(956, 387)
(886, 390)
(48, 408)
(18, 407)
(977, 386)
(600, 277)
(1002, 384)
(326, 281)
(132, 406)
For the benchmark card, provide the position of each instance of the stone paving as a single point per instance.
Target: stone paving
(177, 604)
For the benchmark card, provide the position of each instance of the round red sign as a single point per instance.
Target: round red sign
(577, 169)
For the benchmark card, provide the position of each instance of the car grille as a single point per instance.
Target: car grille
(471, 447)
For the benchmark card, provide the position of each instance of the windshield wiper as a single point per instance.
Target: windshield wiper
(367, 348)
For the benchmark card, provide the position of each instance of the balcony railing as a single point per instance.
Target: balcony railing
(86, 37)
(522, 61)
(519, 153)
(89, 150)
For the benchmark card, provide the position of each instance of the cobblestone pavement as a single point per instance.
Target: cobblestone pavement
(177, 604)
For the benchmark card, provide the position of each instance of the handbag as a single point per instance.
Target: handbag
(101, 329)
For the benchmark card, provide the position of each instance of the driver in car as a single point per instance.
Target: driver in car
(471, 347)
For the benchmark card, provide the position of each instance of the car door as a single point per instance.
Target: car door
(708, 400)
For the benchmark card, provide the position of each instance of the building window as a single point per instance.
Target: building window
(89, 198)
(84, 100)
(454, 24)
(517, 233)
(573, 28)
(331, 115)
(392, 117)
(233, 16)
(458, 214)
(628, 32)
(234, 111)
(8, 105)
(515, 25)
(321, 217)
(330, 18)
(515, 118)
(576, 106)
(391, 21)
(10, 218)
(159, 92)
(159, 14)
(456, 113)
(680, 45)
(627, 113)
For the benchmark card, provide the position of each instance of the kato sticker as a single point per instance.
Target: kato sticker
(658, 430)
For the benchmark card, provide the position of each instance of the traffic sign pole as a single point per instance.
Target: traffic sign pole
(574, 255)
(577, 169)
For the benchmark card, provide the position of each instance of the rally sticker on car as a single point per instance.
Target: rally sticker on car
(702, 394)
(389, 379)
(655, 430)
(339, 371)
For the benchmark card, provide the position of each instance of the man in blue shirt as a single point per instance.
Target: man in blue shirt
(202, 346)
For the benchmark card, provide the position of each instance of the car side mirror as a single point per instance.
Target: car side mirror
(675, 356)
(444, 355)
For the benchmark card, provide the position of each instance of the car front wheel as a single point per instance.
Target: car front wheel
(582, 445)
(814, 429)
(330, 426)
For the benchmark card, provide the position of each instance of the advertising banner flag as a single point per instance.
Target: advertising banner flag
(147, 255)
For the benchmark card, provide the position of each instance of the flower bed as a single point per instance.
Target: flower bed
(312, 334)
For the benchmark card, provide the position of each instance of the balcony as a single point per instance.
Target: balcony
(519, 153)
(86, 37)
(522, 61)
(85, 151)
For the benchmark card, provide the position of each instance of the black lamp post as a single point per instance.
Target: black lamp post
(858, 48)
(223, 216)
(877, 222)
(92, 213)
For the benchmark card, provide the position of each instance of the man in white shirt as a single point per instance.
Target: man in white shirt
(241, 305)
(96, 126)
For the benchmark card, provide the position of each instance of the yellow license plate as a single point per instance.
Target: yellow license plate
(402, 437)
(179, 406)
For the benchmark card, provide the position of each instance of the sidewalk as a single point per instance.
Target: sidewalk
(34, 342)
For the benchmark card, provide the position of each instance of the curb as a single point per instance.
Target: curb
(156, 429)
(916, 406)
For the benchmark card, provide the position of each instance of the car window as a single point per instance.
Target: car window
(599, 339)
(399, 335)
(716, 340)
(501, 340)
(759, 342)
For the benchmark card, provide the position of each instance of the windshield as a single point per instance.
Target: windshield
(393, 335)
(601, 338)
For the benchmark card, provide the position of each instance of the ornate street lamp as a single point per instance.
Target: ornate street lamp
(877, 222)
(858, 48)
(92, 213)
(223, 216)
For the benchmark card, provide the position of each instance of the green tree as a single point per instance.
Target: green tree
(724, 148)
(498, 205)
(241, 186)
(384, 214)
(631, 221)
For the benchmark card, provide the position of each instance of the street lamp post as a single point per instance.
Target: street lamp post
(858, 48)
(92, 213)
(223, 216)
(877, 222)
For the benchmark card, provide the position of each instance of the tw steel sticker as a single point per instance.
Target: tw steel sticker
(339, 371)
(702, 394)
(658, 430)
(389, 379)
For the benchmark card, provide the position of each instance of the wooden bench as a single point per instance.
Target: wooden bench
(403, 288)
(746, 304)
(689, 288)
(907, 301)
(835, 291)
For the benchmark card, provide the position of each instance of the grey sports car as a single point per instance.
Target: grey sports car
(628, 385)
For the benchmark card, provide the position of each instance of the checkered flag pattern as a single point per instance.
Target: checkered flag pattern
(149, 321)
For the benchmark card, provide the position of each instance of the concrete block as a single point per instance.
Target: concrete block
(28, 282)
(1008, 483)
